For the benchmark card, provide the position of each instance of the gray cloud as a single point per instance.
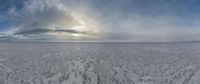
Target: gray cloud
(119, 20)
(38, 16)
(43, 31)
(40, 13)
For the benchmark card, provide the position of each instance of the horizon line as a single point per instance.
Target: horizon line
(98, 41)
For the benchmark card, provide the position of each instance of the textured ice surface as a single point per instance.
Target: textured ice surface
(99, 63)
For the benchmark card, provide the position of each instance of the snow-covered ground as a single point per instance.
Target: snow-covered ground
(99, 63)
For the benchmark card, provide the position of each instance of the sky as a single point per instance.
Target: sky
(100, 20)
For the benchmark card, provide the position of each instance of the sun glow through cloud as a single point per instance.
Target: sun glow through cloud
(86, 25)
(83, 28)
(52, 19)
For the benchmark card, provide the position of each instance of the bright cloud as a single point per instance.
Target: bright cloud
(47, 18)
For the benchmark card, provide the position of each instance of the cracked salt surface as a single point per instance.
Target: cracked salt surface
(99, 63)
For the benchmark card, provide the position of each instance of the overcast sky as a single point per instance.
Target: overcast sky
(100, 20)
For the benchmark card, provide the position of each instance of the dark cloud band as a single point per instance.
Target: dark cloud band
(43, 31)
